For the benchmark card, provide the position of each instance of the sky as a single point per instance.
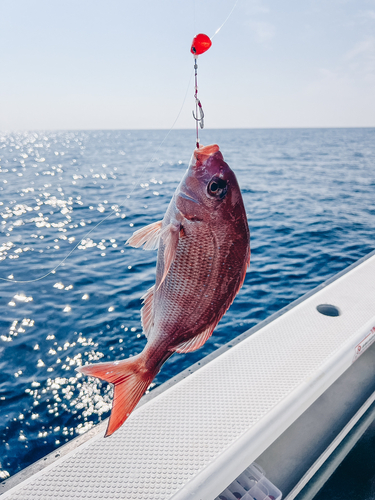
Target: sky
(120, 64)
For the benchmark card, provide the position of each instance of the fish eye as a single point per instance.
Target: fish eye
(217, 187)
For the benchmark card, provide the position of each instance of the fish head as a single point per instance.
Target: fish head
(208, 186)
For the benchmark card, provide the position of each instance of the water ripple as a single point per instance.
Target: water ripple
(309, 200)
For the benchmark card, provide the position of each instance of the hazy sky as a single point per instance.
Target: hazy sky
(119, 64)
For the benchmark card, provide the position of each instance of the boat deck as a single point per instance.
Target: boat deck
(193, 439)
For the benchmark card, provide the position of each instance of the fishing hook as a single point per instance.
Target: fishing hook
(201, 113)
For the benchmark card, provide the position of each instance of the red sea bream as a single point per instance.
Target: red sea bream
(203, 252)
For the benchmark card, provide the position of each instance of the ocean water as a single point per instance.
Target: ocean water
(309, 196)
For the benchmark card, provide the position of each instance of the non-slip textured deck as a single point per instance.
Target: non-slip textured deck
(191, 441)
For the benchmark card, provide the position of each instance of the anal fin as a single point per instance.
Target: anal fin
(196, 342)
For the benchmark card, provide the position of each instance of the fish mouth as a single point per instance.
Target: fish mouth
(187, 197)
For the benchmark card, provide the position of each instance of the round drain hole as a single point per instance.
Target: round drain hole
(328, 310)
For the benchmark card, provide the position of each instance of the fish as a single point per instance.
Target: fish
(203, 247)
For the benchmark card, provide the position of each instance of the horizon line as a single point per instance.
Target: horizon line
(181, 129)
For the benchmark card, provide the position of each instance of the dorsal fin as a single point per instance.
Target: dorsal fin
(148, 235)
(147, 311)
(196, 342)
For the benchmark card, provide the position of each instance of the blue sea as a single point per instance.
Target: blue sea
(309, 197)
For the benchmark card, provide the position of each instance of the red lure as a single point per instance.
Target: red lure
(200, 44)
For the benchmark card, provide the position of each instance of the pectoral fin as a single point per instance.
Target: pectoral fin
(148, 235)
(147, 311)
(170, 235)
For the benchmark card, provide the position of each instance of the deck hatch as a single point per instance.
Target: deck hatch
(328, 310)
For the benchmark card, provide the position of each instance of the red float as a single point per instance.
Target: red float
(200, 44)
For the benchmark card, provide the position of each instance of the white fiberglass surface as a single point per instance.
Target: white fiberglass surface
(181, 434)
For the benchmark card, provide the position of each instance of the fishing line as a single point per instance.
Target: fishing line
(153, 158)
(201, 43)
(198, 108)
(230, 13)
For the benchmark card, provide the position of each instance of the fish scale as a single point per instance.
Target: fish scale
(185, 281)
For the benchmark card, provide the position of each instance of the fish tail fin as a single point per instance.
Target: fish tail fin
(130, 378)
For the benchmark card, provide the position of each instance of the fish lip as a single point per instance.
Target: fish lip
(187, 197)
